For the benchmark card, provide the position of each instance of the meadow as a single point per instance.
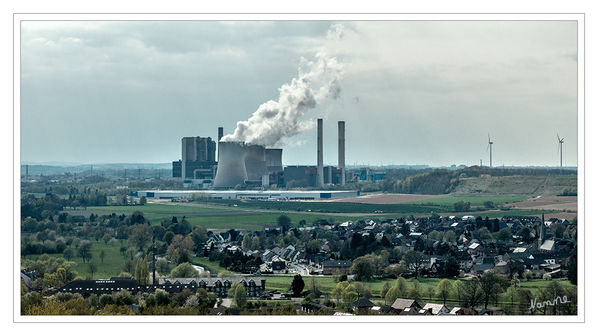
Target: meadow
(112, 265)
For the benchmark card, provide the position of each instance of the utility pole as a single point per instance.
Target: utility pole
(154, 258)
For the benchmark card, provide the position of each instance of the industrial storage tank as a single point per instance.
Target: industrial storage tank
(231, 165)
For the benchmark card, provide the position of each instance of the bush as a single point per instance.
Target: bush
(106, 299)
(184, 270)
(462, 206)
(162, 297)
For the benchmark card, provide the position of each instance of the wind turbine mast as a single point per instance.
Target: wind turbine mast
(561, 140)
(490, 143)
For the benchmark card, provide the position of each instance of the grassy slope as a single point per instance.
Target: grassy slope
(516, 185)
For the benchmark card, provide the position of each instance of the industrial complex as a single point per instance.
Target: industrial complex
(245, 166)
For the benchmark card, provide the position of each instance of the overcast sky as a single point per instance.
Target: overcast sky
(412, 92)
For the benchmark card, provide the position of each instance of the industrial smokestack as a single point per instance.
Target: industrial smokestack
(320, 180)
(231, 165)
(341, 150)
(220, 133)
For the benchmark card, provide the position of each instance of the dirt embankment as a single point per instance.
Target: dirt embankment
(388, 198)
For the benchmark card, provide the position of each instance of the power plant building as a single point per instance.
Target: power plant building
(198, 159)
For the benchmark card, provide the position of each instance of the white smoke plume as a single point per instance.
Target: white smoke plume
(275, 121)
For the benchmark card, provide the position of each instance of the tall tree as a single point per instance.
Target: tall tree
(472, 294)
(414, 260)
(85, 250)
(92, 268)
(297, 285)
(284, 222)
(238, 294)
(255, 243)
(385, 288)
(180, 249)
(141, 236)
(444, 289)
(491, 284)
(363, 268)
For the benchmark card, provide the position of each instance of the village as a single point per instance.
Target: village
(477, 261)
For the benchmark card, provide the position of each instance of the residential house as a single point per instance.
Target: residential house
(330, 267)
(401, 304)
(362, 306)
(436, 308)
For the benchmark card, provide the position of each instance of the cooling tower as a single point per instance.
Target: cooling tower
(320, 176)
(341, 150)
(255, 162)
(231, 165)
(274, 159)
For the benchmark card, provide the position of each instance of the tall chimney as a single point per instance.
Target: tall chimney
(341, 150)
(220, 133)
(320, 176)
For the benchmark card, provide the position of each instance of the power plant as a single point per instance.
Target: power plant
(251, 166)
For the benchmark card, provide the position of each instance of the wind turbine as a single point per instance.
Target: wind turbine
(560, 149)
(490, 143)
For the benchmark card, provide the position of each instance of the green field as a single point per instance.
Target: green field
(218, 219)
(333, 207)
(112, 265)
(212, 218)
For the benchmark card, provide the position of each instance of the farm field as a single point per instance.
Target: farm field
(218, 218)
(336, 207)
(548, 203)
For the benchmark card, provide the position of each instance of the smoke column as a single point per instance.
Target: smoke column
(275, 121)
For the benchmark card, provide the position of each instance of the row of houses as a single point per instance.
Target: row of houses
(254, 286)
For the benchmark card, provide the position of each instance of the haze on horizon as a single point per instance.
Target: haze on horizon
(412, 92)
